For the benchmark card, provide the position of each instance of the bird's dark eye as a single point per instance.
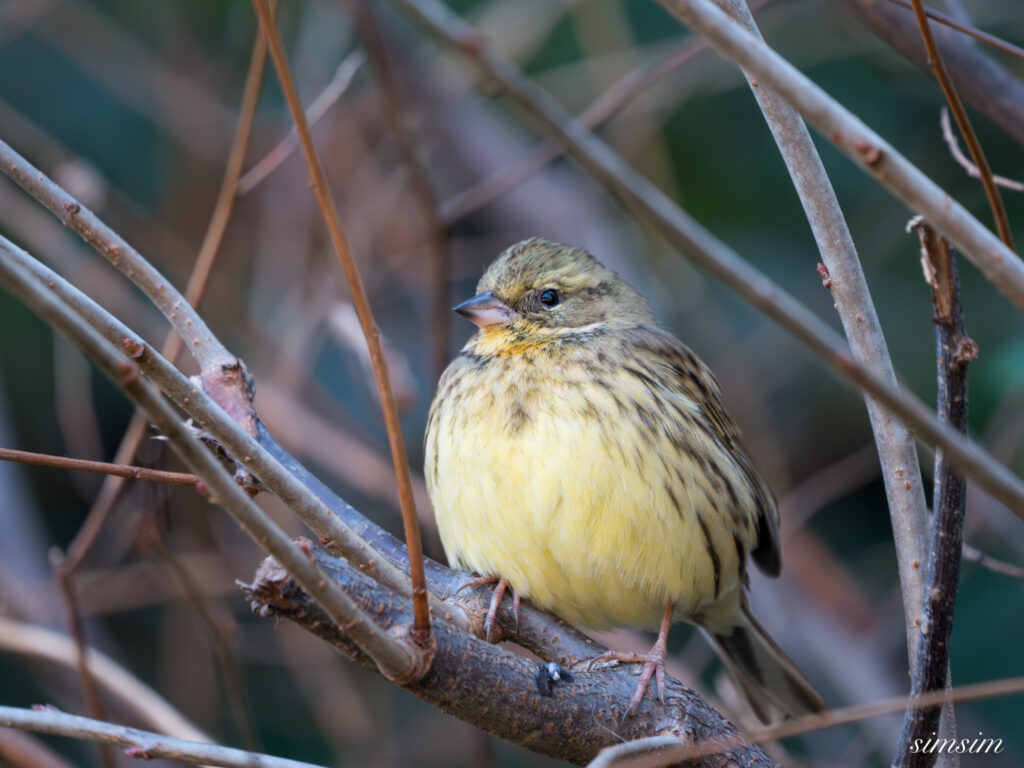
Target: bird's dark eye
(550, 298)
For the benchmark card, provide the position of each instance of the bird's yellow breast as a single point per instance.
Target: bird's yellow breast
(583, 484)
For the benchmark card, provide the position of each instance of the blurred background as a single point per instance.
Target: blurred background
(132, 107)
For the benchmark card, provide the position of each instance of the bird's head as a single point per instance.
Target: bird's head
(541, 290)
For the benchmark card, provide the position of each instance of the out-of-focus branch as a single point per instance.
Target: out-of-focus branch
(334, 90)
(720, 260)
(571, 718)
(325, 200)
(983, 82)
(977, 34)
(117, 682)
(955, 349)
(394, 657)
(695, 750)
(896, 449)
(141, 744)
(21, 750)
(975, 555)
(995, 201)
(965, 163)
(99, 467)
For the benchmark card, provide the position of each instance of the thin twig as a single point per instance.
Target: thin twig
(395, 658)
(721, 261)
(333, 91)
(325, 200)
(964, 161)
(867, 149)
(975, 555)
(897, 451)
(1012, 686)
(99, 467)
(977, 34)
(141, 744)
(995, 200)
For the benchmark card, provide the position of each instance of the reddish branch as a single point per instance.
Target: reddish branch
(322, 192)
(995, 200)
(99, 467)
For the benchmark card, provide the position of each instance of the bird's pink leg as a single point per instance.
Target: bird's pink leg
(500, 585)
(654, 663)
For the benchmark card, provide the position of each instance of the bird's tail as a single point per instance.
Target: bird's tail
(767, 677)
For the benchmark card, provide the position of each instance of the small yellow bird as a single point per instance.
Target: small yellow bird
(580, 455)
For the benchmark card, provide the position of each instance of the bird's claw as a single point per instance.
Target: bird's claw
(654, 668)
(500, 587)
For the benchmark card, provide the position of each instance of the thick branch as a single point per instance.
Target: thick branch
(505, 694)
(721, 261)
(955, 351)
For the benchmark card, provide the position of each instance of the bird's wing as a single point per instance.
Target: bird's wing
(695, 380)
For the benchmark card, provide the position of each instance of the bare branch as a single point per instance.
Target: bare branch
(508, 695)
(964, 161)
(896, 449)
(325, 200)
(116, 681)
(975, 555)
(977, 34)
(201, 342)
(141, 744)
(99, 467)
(955, 350)
(333, 91)
(987, 85)
(995, 201)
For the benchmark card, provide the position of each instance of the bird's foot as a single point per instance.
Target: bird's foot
(500, 586)
(654, 668)
(654, 664)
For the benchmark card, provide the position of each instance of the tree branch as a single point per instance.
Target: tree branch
(505, 694)
(897, 452)
(325, 201)
(867, 149)
(995, 201)
(141, 744)
(99, 467)
(955, 350)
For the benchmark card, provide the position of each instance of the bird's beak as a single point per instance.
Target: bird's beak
(487, 309)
